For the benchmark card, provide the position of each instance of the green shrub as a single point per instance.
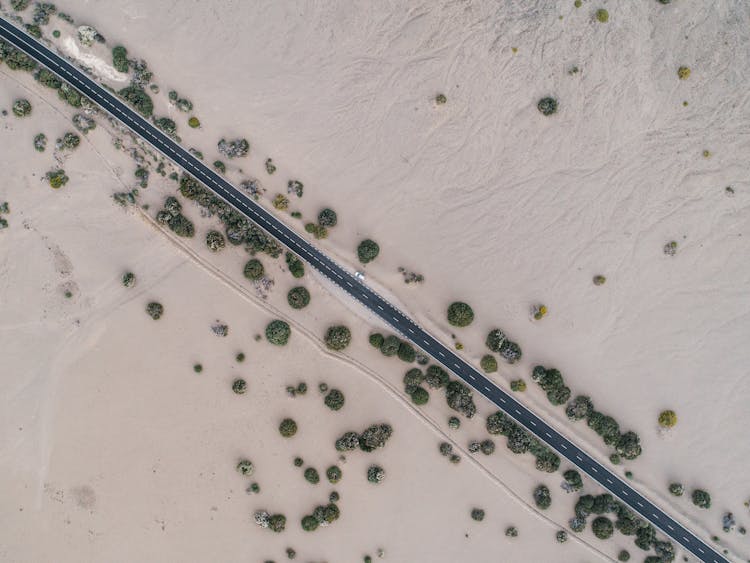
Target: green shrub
(573, 480)
(316, 230)
(413, 377)
(347, 442)
(367, 251)
(20, 5)
(701, 498)
(253, 269)
(139, 99)
(312, 476)
(406, 352)
(677, 489)
(667, 419)
(487, 447)
(215, 241)
(334, 400)
(579, 408)
(623, 555)
(628, 445)
(494, 339)
(445, 449)
(338, 338)
(245, 467)
(155, 310)
(219, 166)
(278, 332)
(70, 141)
(288, 428)
(309, 523)
(511, 532)
(239, 386)
(440, 99)
(420, 396)
(295, 265)
(376, 339)
(460, 314)
(181, 226)
(21, 107)
(327, 218)
(375, 474)
(40, 142)
(295, 187)
(390, 346)
(298, 462)
(561, 536)
(197, 368)
(547, 106)
(477, 514)
(298, 297)
(599, 280)
(454, 423)
(277, 523)
(270, 166)
(334, 474)
(510, 351)
(518, 385)
(234, 148)
(488, 363)
(374, 437)
(167, 125)
(602, 527)
(15, 59)
(128, 279)
(436, 377)
(120, 58)
(542, 497)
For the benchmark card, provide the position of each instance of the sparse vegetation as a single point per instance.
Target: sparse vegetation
(367, 251)
(338, 338)
(69, 141)
(155, 310)
(278, 332)
(270, 166)
(298, 297)
(460, 314)
(288, 428)
(454, 423)
(459, 398)
(21, 107)
(234, 148)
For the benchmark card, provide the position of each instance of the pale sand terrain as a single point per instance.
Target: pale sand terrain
(492, 202)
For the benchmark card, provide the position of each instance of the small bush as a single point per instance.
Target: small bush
(194, 123)
(245, 467)
(278, 332)
(288, 428)
(277, 523)
(167, 125)
(367, 251)
(542, 497)
(420, 396)
(215, 241)
(240, 357)
(239, 386)
(298, 462)
(511, 532)
(40, 142)
(390, 346)
(701, 498)
(234, 148)
(677, 489)
(128, 279)
(338, 337)
(667, 419)
(487, 447)
(573, 481)
(599, 280)
(454, 423)
(602, 15)
(295, 265)
(561, 536)
(683, 73)
(494, 339)
(181, 226)
(334, 400)
(376, 339)
(334, 474)
(21, 107)
(311, 476)
(547, 106)
(406, 352)
(518, 385)
(310, 523)
(70, 141)
(440, 99)
(298, 297)
(460, 314)
(477, 514)
(602, 527)
(155, 310)
(120, 58)
(375, 474)
(57, 178)
(270, 166)
(295, 187)
(327, 218)
(445, 449)
(488, 363)
(253, 269)
(510, 351)
(347, 442)
(624, 555)
(197, 368)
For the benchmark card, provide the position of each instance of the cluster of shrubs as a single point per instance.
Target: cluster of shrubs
(295, 187)
(327, 218)
(64, 90)
(69, 141)
(322, 515)
(183, 104)
(372, 438)
(521, 441)
(626, 522)
(498, 342)
(392, 346)
(487, 447)
(301, 389)
(172, 216)
(626, 444)
(137, 97)
(413, 380)
(275, 522)
(551, 382)
(238, 228)
(4, 210)
(446, 450)
(234, 148)
(295, 265)
(57, 178)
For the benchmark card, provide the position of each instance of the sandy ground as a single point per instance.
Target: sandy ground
(492, 202)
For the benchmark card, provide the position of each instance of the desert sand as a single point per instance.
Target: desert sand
(115, 450)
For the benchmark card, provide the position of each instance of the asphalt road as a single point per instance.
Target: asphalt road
(358, 290)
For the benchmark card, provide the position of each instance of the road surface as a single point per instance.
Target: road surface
(358, 290)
